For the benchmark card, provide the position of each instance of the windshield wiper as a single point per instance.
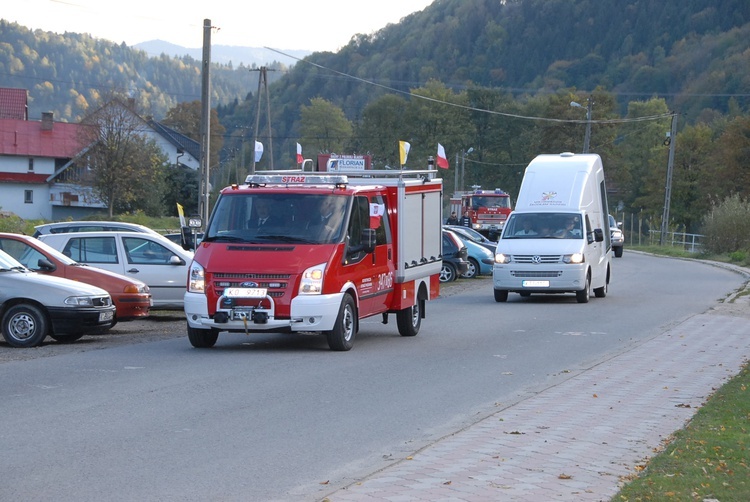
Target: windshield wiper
(224, 238)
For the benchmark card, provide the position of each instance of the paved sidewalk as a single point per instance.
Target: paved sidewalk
(576, 441)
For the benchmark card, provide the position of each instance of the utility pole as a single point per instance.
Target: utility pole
(263, 81)
(587, 138)
(204, 190)
(668, 187)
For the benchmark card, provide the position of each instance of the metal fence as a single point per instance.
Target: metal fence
(638, 232)
(689, 242)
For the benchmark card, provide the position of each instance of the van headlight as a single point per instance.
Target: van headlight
(196, 278)
(502, 258)
(574, 258)
(312, 280)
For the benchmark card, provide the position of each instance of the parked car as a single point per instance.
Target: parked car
(479, 257)
(185, 241)
(153, 259)
(473, 235)
(62, 227)
(455, 256)
(34, 306)
(131, 296)
(617, 236)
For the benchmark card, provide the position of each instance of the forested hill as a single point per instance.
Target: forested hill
(68, 74)
(633, 48)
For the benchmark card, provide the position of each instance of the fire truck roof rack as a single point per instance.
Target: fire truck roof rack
(298, 176)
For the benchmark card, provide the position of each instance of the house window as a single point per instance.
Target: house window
(28, 196)
(31, 165)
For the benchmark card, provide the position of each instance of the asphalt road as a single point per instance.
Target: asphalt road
(279, 417)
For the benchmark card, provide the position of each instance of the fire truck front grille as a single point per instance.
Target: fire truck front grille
(537, 259)
(536, 273)
(498, 216)
(276, 284)
(225, 276)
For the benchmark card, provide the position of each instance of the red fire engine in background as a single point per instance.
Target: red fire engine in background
(488, 209)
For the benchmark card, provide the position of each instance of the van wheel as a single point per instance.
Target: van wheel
(202, 338)
(602, 292)
(341, 337)
(583, 295)
(24, 325)
(501, 295)
(409, 320)
(66, 338)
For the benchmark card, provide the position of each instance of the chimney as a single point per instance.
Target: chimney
(47, 121)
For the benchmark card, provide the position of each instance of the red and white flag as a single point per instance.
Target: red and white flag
(442, 160)
(300, 160)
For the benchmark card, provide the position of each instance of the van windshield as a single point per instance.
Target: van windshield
(278, 218)
(543, 226)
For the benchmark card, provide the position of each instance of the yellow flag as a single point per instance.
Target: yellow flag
(181, 214)
(403, 150)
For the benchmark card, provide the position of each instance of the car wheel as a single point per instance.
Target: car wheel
(584, 295)
(473, 269)
(447, 273)
(24, 325)
(341, 337)
(618, 251)
(409, 319)
(202, 338)
(66, 338)
(501, 295)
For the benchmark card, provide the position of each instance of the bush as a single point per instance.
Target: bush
(727, 227)
(15, 225)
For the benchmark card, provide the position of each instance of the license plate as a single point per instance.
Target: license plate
(535, 284)
(245, 292)
(106, 316)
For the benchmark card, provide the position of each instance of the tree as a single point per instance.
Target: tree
(324, 127)
(125, 165)
(185, 118)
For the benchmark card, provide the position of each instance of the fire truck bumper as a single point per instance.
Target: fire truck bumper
(308, 313)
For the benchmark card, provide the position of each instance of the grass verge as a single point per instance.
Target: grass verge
(707, 460)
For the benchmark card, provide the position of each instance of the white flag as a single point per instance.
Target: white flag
(258, 151)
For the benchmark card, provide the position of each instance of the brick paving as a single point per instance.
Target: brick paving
(577, 440)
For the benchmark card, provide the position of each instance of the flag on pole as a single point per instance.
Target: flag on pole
(442, 160)
(181, 214)
(403, 150)
(300, 159)
(258, 151)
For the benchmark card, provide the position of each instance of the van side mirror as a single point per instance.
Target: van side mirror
(368, 240)
(598, 235)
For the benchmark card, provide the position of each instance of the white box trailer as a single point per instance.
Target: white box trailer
(557, 240)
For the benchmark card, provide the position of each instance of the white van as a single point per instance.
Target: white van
(557, 240)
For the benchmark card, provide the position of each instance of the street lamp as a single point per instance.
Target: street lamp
(463, 164)
(587, 138)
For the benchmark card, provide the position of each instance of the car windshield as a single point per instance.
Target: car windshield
(278, 218)
(543, 226)
(7, 262)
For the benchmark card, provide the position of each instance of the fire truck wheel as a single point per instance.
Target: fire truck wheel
(409, 319)
(341, 337)
(202, 338)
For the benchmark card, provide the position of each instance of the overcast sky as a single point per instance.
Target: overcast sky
(313, 25)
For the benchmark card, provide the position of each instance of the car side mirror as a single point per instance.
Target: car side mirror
(45, 265)
(369, 240)
(176, 260)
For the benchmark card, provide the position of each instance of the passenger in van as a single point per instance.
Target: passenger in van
(527, 228)
(569, 230)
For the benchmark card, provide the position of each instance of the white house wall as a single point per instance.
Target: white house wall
(12, 197)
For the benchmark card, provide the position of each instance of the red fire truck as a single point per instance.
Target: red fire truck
(488, 209)
(306, 252)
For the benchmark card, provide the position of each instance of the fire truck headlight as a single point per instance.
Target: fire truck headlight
(312, 280)
(196, 278)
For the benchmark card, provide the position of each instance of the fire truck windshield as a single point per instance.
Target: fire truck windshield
(490, 201)
(278, 217)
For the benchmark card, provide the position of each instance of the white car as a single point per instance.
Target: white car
(152, 259)
(62, 227)
(33, 306)
(617, 236)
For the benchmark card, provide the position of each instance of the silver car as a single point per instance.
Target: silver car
(33, 306)
(616, 236)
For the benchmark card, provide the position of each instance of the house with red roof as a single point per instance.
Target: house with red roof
(39, 177)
